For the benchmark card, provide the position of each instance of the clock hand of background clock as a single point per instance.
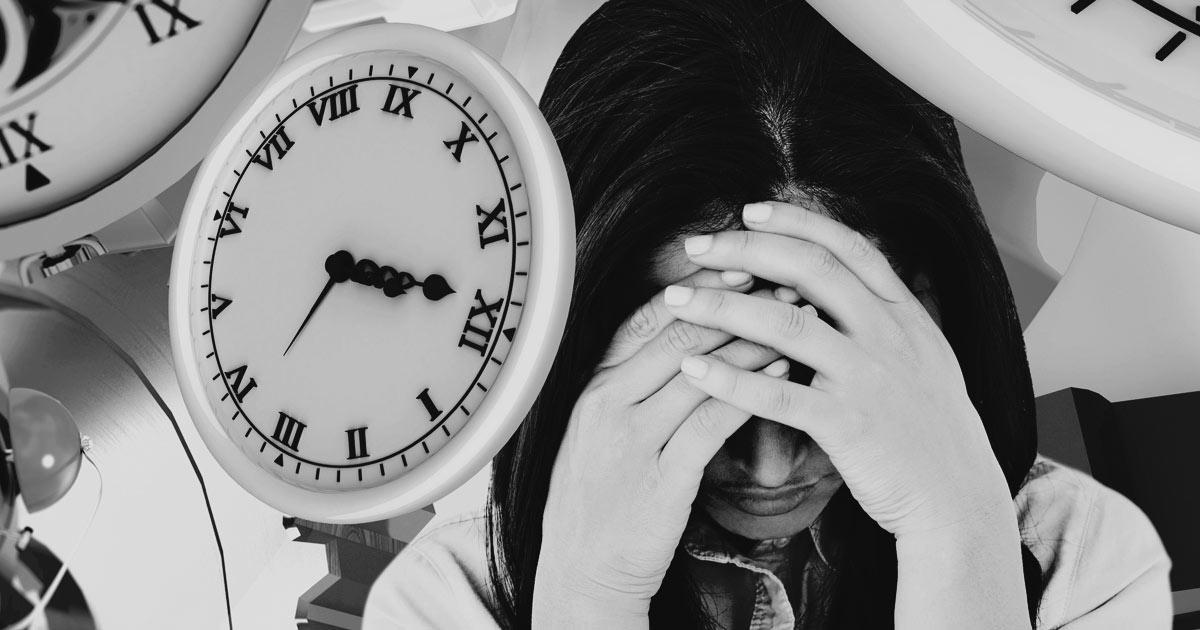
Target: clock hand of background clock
(339, 266)
(396, 283)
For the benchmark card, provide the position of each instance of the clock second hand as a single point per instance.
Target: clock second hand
(339, 266)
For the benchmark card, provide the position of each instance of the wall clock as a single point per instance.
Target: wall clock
(1104, 93)
(105, 104)
(372, 274)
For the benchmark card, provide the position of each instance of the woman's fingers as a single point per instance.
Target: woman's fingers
(654, 364)
(798, 406)
(652, 317)
(661, 414)
(698, 438)
(805, 266)
(798, 333)
(854, 250)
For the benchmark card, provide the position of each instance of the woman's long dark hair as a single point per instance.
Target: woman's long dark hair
(670, 115)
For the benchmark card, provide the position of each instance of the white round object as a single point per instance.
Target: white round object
(372, 275)
(1105, 94)
(124, 104)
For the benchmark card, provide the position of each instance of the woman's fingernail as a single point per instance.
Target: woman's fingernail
(778, 368)
(676, 295)
(787, 294)
(808, 309)
(697, 245)
(756, 213)
(694, 367)
(735, 278)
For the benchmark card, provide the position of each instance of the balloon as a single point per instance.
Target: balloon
(45, 443)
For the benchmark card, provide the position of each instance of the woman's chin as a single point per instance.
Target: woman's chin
(765, 515)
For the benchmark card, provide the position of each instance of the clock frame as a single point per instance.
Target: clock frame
(547, 279)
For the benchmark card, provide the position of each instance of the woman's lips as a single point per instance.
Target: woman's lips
(760, 501)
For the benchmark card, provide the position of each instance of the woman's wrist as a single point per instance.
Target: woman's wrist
(562, 600)
(969, 574)
(555, 608)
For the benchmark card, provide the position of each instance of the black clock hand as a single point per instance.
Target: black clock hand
(339, 267)
(396, 283)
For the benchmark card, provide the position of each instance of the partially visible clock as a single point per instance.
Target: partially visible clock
(105, 103)
(1103, 93)
(372, 275)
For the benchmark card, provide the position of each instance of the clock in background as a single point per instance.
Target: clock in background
(255, 571)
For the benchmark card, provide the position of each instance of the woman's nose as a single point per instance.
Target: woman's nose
(772, 451)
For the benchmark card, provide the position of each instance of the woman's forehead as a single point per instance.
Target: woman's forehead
(670, 263)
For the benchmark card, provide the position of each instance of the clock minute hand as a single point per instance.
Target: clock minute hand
(338, 266)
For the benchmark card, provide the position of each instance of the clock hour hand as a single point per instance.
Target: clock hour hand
(339, 267)
(396, 283)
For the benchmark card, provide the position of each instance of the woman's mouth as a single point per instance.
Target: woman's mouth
(761, 501)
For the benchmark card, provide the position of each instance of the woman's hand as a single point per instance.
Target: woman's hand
(888, 402)
(630, 464)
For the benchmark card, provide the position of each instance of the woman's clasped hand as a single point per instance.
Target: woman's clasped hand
(887, 403)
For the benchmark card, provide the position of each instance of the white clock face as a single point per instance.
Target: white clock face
(142, 67)
(360, 276)
(1103, 94)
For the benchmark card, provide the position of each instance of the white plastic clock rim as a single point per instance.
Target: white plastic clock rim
(1020, 103)
(277, 26)
(543, 318)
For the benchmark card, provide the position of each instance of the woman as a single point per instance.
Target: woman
(813, 412)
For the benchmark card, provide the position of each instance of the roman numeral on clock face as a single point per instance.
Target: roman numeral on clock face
(474, 336)
(356, 441)
(495, 215)
(16, 133)
(288, 431)
(456, 146)
(274, 150)
(426, 400)
(171, 8)
(337, 104)
(218, 304)
(237, 375)
(401, 106)
(231, 226)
